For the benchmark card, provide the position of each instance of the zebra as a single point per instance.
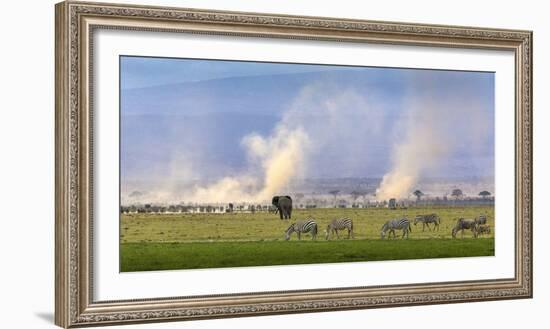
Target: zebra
(427, 219)
(481, 220)
(482, 229)
(307, 226)
(465, 224)
(339, 224)
(396, 224)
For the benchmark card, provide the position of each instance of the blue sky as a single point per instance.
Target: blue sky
(188, 120)
(139, 72)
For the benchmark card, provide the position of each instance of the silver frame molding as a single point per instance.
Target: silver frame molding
(75, 24)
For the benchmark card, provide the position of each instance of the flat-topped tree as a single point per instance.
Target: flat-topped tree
(418, 194)
(484, 194)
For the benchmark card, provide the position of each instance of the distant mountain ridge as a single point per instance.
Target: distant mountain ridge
(236, 94)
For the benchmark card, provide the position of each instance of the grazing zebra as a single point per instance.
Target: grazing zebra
(306, 226)
(482, 229)
(481, 220)
(465, 224)
(427, 219)
(339, 224)
(396, 224)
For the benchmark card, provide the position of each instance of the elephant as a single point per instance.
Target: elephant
(283, 203)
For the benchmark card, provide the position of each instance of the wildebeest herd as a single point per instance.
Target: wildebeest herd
(478, 226)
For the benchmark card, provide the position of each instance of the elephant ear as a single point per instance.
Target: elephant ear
(275, 200)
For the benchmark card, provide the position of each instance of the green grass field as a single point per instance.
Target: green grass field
(190, 241)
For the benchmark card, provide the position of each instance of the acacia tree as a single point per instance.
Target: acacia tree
(418, 194)
(484, 194)
(457, 193)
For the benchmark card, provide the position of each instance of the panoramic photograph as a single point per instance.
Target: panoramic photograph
(238, 163)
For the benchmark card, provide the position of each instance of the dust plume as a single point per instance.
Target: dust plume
(282, 157)
(437, 128)
(277, 159)
(320, 118)
(423, 147)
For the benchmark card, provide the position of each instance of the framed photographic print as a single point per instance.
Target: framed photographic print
(219, 164)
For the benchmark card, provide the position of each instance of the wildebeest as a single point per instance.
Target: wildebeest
(465, 224)
(481, 220)
(483, 229)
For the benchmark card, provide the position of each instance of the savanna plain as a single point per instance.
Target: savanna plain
(211, 240)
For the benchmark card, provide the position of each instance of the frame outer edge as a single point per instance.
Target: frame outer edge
(61, 168)
(530, 129)
(72, 308)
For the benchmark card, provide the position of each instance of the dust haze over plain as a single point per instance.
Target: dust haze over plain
(245, 138)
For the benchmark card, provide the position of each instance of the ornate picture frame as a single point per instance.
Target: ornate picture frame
(75, 24)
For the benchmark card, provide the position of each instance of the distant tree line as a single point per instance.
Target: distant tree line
(356, 199)
(229, 208)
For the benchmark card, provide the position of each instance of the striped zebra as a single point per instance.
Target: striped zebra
(465, 224)
(396, 224)
(426, 220)
(481, 220)
(306, 226)
(339, 224)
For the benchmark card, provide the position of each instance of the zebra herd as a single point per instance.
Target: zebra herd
(310, 226)
(477, 226)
